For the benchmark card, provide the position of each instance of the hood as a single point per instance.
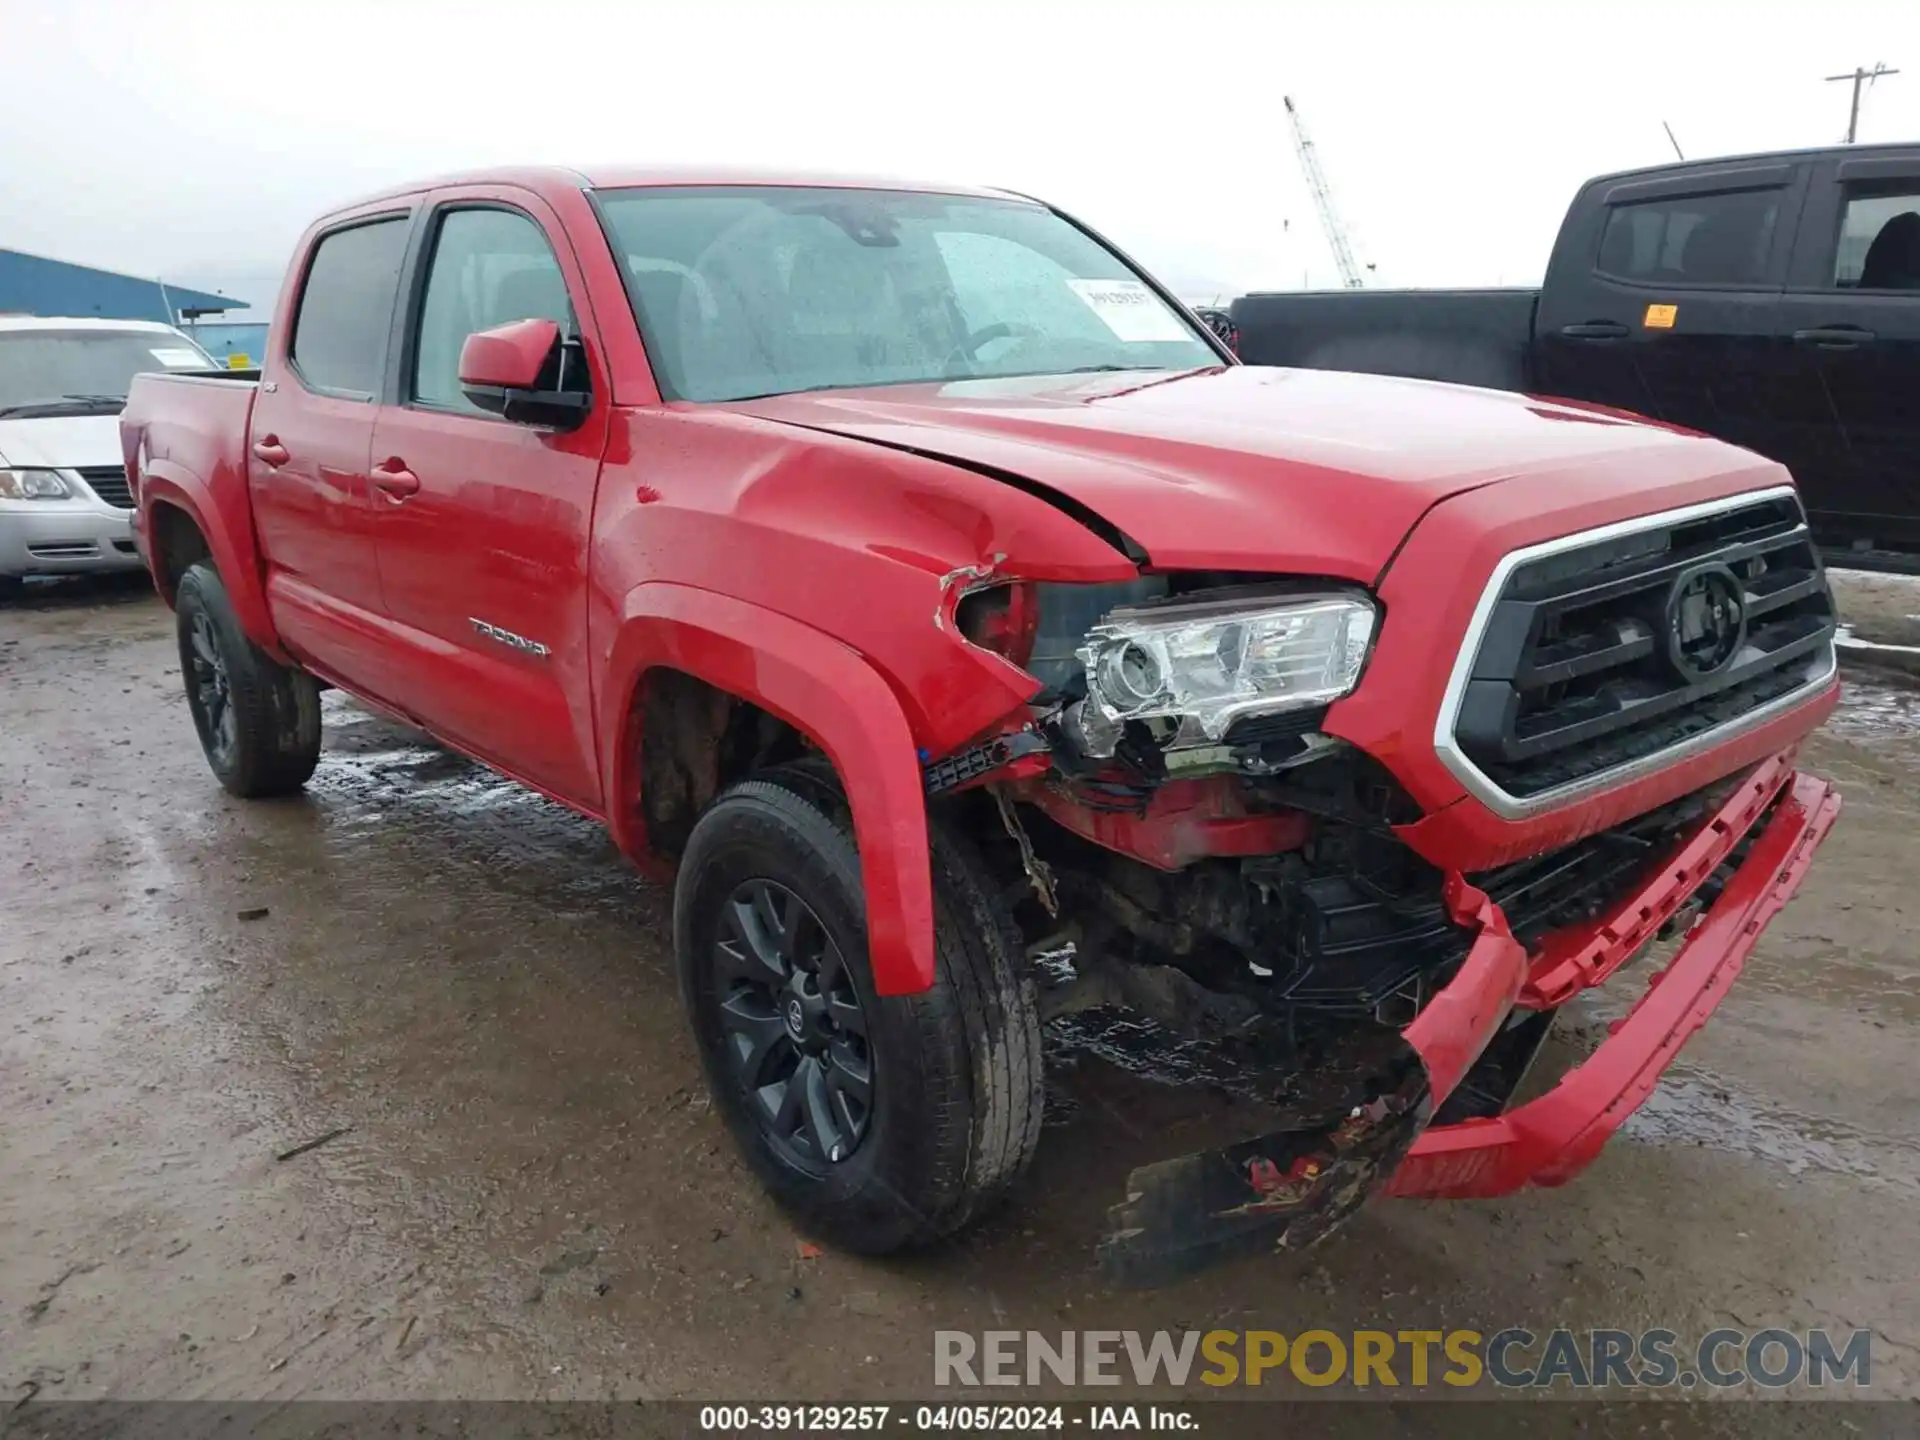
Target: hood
(61, 442)
(1248, 468)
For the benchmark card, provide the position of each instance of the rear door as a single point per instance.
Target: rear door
(483, 523)
(312, 426)
(1852, 315)
(1669, 307)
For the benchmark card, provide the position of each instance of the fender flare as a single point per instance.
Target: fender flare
(827, 692)
(235, 556)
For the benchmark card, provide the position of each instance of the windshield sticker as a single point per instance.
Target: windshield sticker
(175, 358)
(1130, 310)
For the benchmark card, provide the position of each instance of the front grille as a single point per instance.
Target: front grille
(109, 482)
(1599, 655)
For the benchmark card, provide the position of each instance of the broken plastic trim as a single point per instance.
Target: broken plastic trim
(1283, 1191)
(977, 762)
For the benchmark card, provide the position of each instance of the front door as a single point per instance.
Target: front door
(483, 523)
(311, 432)
(1852, 315)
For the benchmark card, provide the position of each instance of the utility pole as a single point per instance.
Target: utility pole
(1861, 77)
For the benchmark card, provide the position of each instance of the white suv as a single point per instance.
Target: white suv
(64, 503)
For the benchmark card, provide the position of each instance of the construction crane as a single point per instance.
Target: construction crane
(1352, 274)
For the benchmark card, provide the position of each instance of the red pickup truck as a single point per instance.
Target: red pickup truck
(978, 647)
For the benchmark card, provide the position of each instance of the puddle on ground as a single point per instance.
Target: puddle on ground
(377, 773)
(1692, 1107)
(1871, 712)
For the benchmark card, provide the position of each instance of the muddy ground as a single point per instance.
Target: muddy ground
(532, 1198)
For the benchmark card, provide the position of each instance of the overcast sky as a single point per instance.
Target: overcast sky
(194, 139)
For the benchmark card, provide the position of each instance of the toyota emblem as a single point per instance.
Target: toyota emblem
(1706, 621)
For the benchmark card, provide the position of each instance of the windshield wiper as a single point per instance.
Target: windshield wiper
(66, 404)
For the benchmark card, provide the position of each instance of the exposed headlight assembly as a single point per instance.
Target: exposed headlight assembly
(33, 485)
(1196, 667)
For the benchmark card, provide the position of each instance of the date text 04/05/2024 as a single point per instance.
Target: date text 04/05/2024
(1125, 1419)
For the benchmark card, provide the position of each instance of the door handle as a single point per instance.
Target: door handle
(1835, 337)
(1595, 330)
(392, 479)
(270, 452)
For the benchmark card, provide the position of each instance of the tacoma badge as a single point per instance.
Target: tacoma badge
(509, 639)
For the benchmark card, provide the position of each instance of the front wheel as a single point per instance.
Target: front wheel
(879, 1122)
(258, 720)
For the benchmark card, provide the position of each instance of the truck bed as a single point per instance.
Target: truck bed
(194, 428)
(194, 422)
(1471, 337)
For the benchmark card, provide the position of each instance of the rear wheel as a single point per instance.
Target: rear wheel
(878, 1122)
(258, 720)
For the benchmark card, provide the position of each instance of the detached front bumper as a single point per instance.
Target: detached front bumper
(1292, 1188)
(1550, 1140)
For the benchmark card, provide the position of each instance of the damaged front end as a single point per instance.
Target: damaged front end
(1196, 862)
(1199, 868)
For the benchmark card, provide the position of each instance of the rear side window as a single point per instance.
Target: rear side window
(1722, 238)
(1880, 240)
(340, 332)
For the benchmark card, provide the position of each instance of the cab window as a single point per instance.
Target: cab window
(339, 340)
(1880, 240)
(1721, 238)
(489, 267)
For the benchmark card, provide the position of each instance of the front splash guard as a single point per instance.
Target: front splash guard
(1292, 1188)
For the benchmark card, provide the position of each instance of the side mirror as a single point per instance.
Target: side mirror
(514, 371)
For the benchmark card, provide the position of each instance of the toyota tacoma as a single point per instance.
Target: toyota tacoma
(978, 648)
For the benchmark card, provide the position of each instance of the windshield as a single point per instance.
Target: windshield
(757, 290)
(75, 371)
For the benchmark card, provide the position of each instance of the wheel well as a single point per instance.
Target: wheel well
(694, 740)
(177, 545)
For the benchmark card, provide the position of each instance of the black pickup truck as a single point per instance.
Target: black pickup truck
(1771, 300)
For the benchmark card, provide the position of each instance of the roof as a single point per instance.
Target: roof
(81, 322)
(40, 285)
(1758, 157)
(609, 177)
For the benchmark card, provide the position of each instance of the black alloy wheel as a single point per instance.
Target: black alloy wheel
(257, 720)
(210, 691)
(793, 1026)
(879, 1122)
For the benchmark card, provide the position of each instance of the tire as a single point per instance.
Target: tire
(952, 1112)
(258, 721)
(12, 587)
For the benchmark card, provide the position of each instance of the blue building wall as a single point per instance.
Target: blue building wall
(35, 285)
